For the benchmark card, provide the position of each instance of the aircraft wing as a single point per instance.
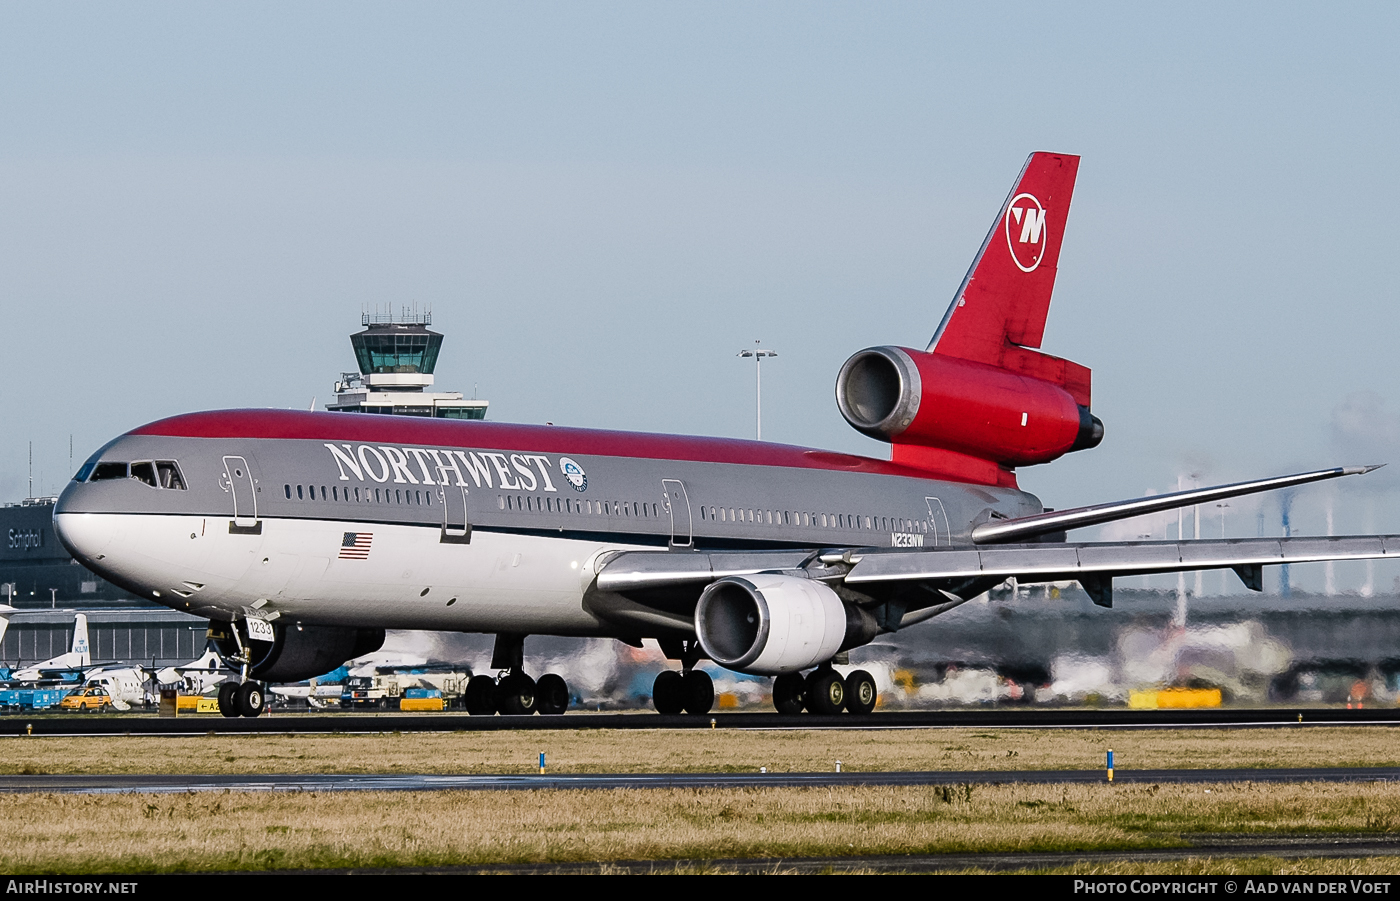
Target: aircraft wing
(1026, 527)
(639, 574)
(1094, 565)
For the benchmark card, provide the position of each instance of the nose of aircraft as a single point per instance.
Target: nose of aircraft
(84, 534)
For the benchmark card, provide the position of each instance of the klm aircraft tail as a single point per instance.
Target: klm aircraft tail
(82, 654)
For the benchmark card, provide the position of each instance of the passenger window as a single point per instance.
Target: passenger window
(500, 502)
(299, 497)
(144, 472)
(106, 471)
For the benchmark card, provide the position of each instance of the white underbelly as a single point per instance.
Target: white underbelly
(399, 577)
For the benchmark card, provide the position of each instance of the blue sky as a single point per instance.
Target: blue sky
(603, 202)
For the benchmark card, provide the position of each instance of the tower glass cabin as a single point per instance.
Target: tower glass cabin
(396, 356)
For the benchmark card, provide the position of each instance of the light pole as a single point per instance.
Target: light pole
(1224, 577)
(758, 353)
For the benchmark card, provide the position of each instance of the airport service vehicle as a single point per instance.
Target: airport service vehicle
(32, 697)
(86, 699)
(303, 536)
(384, 689)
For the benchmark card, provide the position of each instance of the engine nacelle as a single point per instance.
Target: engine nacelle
(770, 624)
(909, 397)
(299, 652)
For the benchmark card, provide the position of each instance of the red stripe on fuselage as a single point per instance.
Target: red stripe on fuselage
(380, 429)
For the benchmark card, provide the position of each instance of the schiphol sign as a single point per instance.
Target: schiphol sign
(25, 539)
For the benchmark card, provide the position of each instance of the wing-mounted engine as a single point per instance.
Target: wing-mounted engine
(767, 624)
(965, 419)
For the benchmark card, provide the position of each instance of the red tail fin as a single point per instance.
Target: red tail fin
(1001, 306)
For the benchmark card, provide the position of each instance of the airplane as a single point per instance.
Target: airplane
(302, 536)
(197, 676)
(125, 684)
(6, 611)
(76, 661)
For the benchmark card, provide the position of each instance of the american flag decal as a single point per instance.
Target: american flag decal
(355, 545)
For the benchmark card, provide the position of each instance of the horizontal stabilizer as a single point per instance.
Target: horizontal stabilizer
(1006, 531)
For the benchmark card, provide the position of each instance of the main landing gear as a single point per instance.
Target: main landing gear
(823, 691)
(690, 690)
(515, 693)
(242, 699)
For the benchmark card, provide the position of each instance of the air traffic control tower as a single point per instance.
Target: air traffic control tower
(397, 356)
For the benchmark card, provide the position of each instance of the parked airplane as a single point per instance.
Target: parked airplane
(77, 660)
(125, 684)
(303, 536)
(197, 676)
(6, 611)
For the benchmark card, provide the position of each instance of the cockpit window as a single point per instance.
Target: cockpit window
(157, 474)
(169, 475)
(109, 471)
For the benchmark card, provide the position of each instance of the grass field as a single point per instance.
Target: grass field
(262, 831)
(659, 750)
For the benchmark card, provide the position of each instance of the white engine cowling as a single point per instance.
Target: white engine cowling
(770, 624)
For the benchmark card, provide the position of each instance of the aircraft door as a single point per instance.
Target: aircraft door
(456, 527)
(678, 505)
(938, 522)
(238, 480)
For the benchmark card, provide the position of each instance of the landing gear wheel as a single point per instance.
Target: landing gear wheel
(228, 699)
(699, 692)
(787, 693)
(826, 692)
(860, 692)
(250, 699)
(668, 692)
(551, 695)
(516, 695)
(481, 696)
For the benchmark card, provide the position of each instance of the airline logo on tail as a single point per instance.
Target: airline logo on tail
(1025, 231)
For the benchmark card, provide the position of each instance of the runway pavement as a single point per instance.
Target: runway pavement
(47, 723)
(166, 784)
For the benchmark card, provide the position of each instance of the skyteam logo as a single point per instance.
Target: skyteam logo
(1025, 231)
(574, 473)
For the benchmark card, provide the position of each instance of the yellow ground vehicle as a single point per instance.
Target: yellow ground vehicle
(86, 699)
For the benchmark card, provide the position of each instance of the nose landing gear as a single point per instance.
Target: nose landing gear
(241, 699)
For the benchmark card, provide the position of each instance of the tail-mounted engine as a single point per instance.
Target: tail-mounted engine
(968, 420)
(767, 624)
